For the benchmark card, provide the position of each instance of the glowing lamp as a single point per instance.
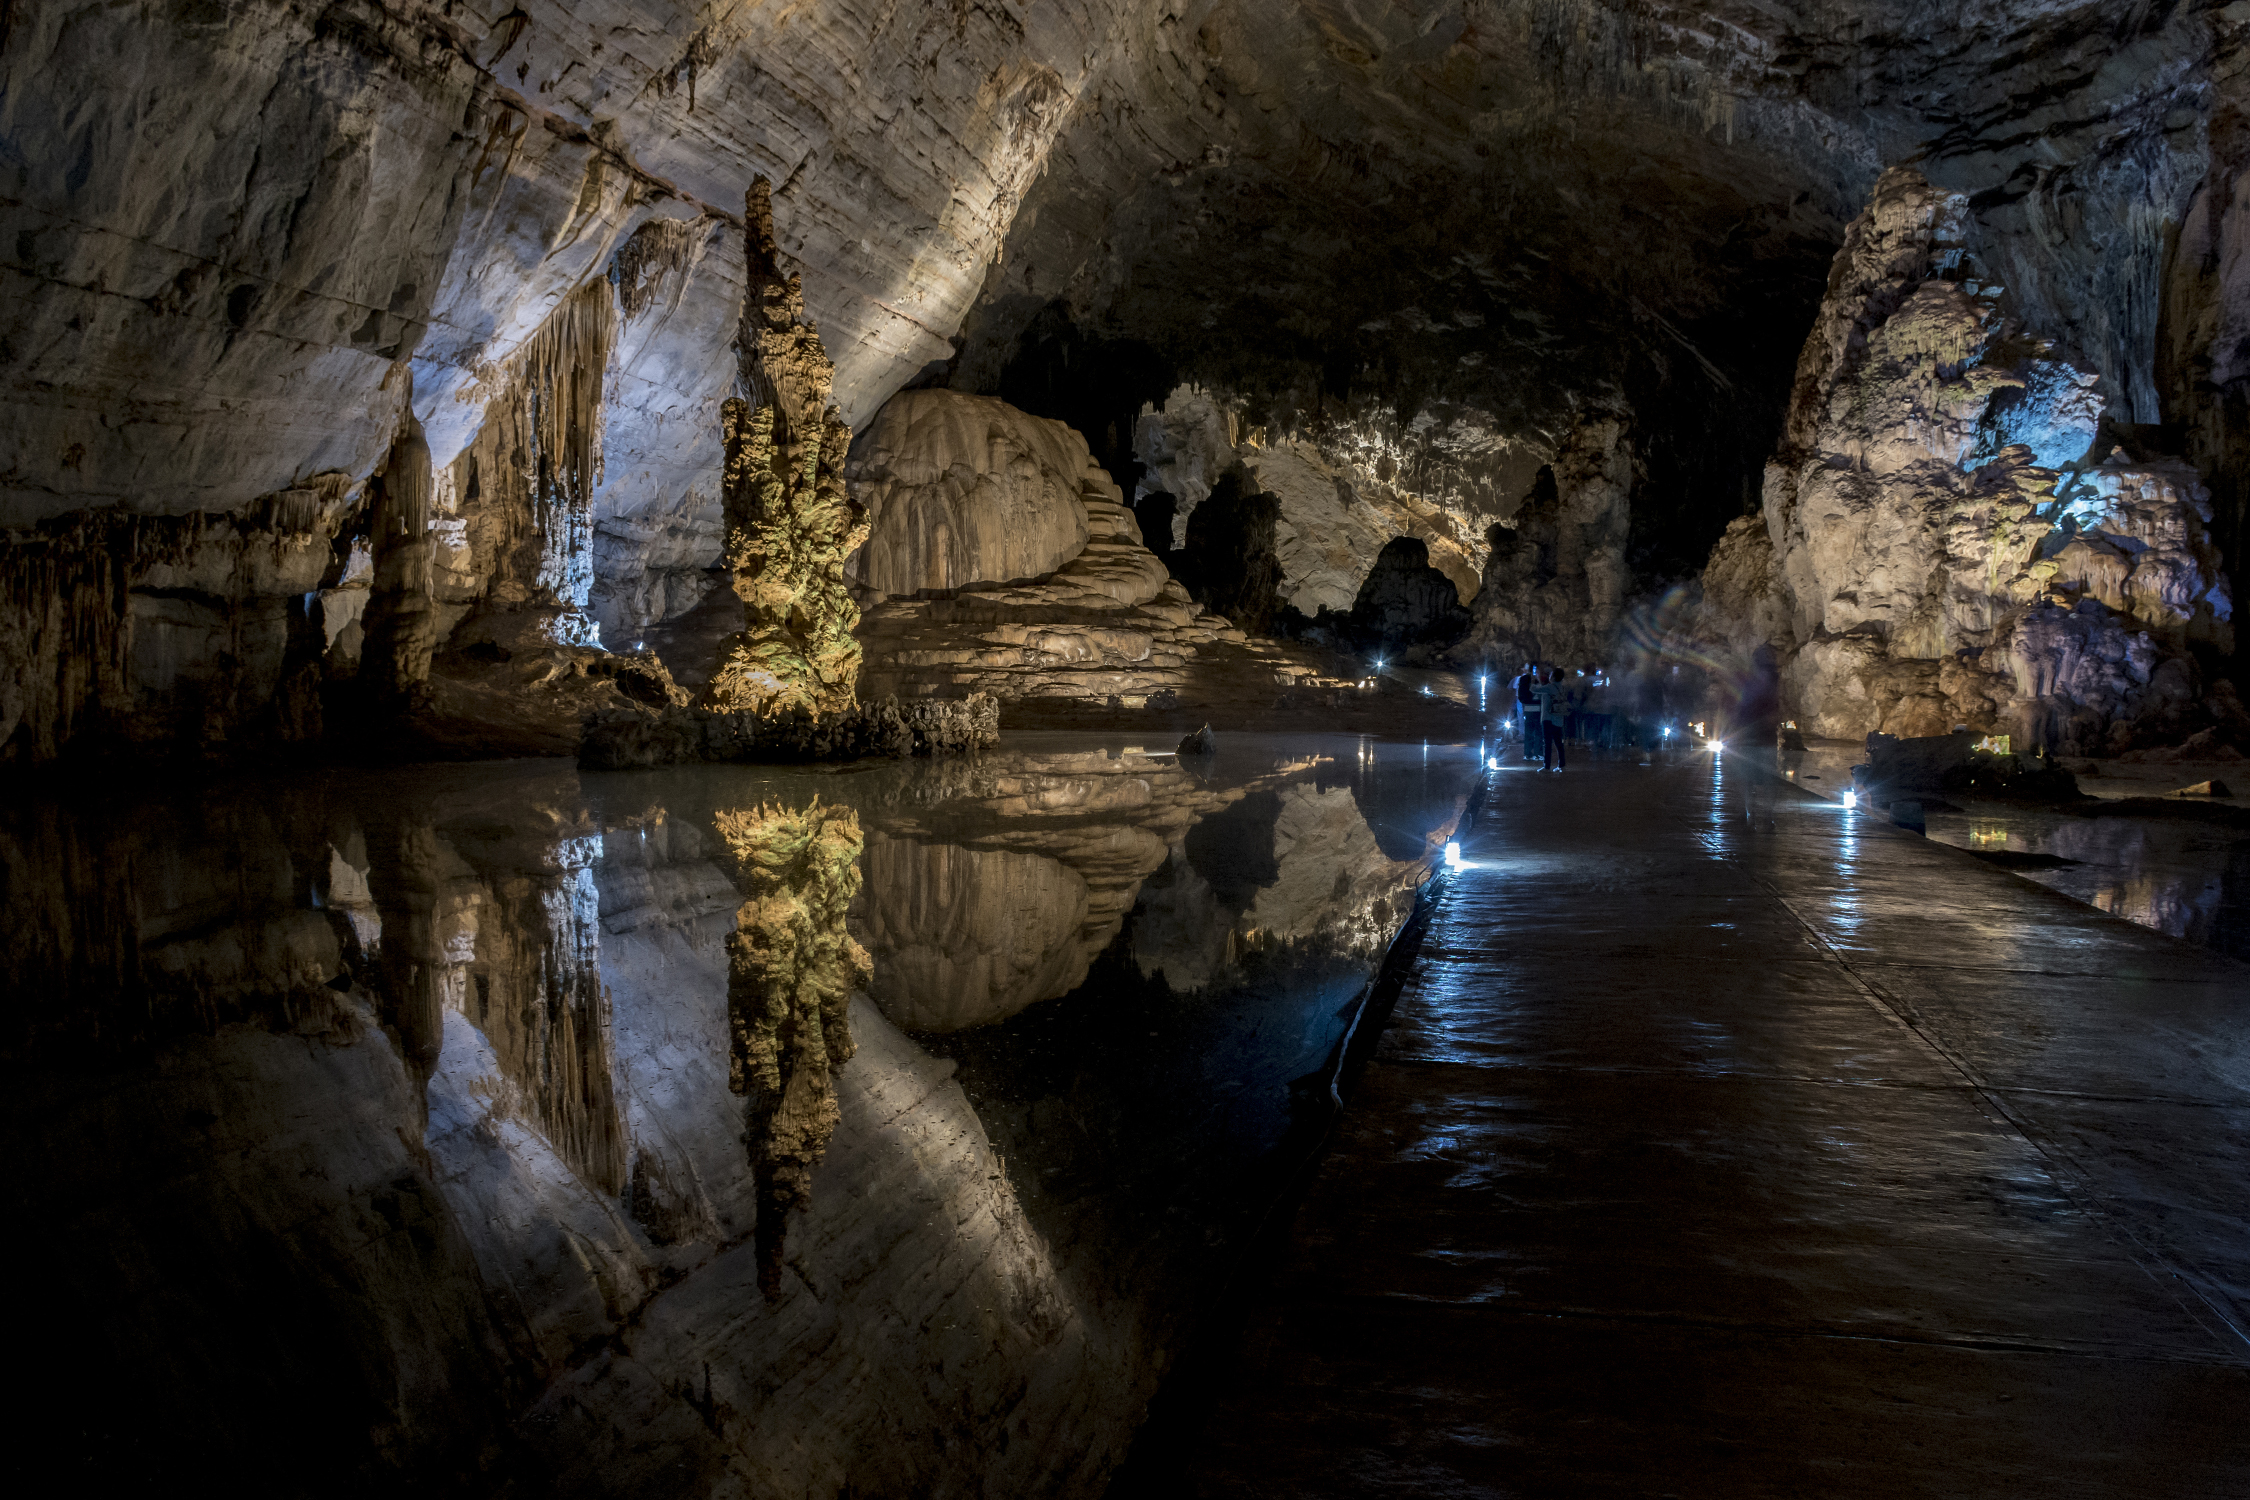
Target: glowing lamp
(1453, 856)
(1714, 746)
(1851, 800)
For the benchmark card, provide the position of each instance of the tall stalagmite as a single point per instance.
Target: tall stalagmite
(789, 521)
(791, 968)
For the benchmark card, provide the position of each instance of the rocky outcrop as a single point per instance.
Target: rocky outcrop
(1106, 623)
(1342, 487)
(964, 490)
(1949, 537)
(1555, 580)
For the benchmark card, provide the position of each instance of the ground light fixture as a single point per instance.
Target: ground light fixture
(1714, 746)
(1851, 800)
(1453, 856)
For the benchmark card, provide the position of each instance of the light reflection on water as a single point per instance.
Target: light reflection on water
(513, 1118)
(2187, 879)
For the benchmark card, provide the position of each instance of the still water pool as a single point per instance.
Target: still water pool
(878, 1129)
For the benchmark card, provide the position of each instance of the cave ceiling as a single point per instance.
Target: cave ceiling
(1534, 207)
(243, 236)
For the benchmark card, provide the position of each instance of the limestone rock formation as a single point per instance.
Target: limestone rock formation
(1555, 580)
(964, 490)
(1105, 622)
(1342, 487)
(1948, 535)
(1406, 605)
(790, 522)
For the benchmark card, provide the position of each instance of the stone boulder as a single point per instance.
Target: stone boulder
(961, 490)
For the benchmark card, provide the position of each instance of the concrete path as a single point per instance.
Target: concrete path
(1811, 1161)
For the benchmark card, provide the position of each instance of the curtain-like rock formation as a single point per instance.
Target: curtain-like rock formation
(963, 490)
(1949, 534)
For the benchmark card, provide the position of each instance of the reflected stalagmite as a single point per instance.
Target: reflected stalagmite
(791, 968)
(789, 522)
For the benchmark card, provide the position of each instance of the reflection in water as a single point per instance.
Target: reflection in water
(2185, 878)
(790, 973)
(440, 1127)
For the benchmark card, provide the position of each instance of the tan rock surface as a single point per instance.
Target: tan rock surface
(962, 490)
(1942, 542)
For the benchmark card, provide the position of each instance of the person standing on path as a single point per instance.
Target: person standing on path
(1597, 713)
(1554, 701)
(1527, 708)
(1755, 727)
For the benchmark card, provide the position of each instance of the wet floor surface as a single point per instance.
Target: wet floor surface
(1807, 1158)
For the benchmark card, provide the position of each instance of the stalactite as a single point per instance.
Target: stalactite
(527, 479)
(791, 968)
(66, 607)
(789, 522)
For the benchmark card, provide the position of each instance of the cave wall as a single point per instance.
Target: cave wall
(1952, 532)
(234, 263)
(1404, 250)
(1536, 215)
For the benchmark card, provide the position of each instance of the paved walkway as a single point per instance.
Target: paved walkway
(1703, 1160)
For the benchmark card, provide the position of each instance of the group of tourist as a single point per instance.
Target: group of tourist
(1591, 706)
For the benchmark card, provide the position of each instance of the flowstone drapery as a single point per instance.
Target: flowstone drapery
(789, 521)
(791, 968)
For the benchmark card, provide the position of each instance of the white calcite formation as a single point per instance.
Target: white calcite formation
(943, 481)
(1944, 541)
(962, 490)
(1344, 488)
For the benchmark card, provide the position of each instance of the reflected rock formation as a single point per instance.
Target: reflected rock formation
(995, 885)
(791, 968)
(473, 1103)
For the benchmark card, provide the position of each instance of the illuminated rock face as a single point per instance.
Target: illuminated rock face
(969, 489)
(1944, 540)
(962, 490)
(789, 522)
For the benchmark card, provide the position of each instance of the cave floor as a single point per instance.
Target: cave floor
(1807, 1158)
